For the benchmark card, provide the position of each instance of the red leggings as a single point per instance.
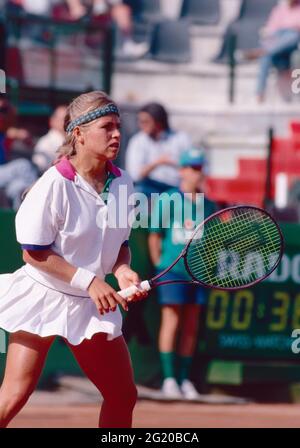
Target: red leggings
(107, 364)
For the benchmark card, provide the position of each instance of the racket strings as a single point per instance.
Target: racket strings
(239, 269)
(231, 244)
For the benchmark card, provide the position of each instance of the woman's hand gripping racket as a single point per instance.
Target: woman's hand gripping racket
(234, 248)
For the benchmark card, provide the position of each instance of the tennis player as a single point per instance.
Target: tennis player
(180, 303)
(68, 248)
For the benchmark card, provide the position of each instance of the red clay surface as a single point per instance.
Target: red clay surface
(165, 415)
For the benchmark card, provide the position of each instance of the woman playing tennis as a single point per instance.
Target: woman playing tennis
(69, 247)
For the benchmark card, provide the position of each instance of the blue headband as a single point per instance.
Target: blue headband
(93, 115)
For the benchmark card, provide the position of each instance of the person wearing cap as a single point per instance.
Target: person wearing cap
(69, 246)
(180, 303)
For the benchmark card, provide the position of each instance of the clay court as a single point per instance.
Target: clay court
(75, 405)
(158, 415)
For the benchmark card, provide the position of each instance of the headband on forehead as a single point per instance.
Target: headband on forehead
(93, 115)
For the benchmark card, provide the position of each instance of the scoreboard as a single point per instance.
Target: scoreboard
(258, 322)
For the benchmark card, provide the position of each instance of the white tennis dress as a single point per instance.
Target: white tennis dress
(63, 212)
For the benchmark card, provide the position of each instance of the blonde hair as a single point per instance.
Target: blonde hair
(84, 103)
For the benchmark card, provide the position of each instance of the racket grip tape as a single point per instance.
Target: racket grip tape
(143, 286)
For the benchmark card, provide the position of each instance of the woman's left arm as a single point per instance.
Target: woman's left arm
(125, 275)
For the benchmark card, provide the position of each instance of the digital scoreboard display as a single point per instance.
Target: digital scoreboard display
(258, 322)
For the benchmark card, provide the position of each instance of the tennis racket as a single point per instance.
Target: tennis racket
(232, 249)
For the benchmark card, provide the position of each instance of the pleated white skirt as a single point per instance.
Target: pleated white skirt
(30, 306)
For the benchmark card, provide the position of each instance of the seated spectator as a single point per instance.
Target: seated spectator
(153, 153)
(76, 9)
(7, 120)
(44, 7)
(46, 147)
(121, 14)
(18, 175)
(280, 37)
(35, 7)
(15, 177)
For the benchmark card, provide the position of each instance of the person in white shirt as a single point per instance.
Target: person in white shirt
(46, 147)
(153, 153)
(68, 247)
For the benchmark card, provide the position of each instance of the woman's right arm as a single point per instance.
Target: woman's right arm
(102, 294)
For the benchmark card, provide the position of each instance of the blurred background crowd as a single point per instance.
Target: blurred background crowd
(225, 71)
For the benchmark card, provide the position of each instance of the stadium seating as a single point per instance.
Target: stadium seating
(171, 42)
(146, 13)
(250, 183)
(236, 191)
(252, 16)
(257, 10)
(201, 12)
(252, 168)
(246, 35)
(295, 130)
(145, 10)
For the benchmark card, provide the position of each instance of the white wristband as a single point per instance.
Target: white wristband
(82, 279)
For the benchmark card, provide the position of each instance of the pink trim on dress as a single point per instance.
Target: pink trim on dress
(67, 170)
(113, 169)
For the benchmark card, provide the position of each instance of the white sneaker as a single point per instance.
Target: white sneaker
(170, 389)
(134, 49)
(188, 390)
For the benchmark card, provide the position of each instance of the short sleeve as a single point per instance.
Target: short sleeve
(37, 220)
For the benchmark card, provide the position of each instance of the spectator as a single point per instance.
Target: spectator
(19, 174)
(45, 149)
(280, 37)
(7, 120)
(120, 13)
(76, 9)
(36, 7)
(153, 153)
(44, 7)
(181, 303)
(15, 177)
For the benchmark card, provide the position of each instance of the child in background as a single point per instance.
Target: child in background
(181, 303)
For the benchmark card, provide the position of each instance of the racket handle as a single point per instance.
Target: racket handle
(143, 286)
